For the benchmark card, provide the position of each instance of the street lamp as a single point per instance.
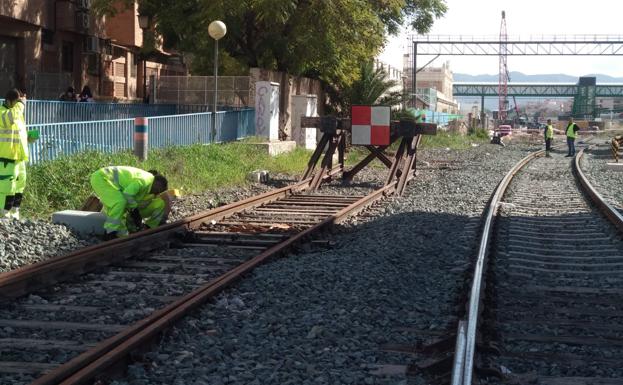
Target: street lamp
(144, 22)
(217, 29)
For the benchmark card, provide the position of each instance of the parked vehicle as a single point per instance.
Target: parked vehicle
(504, 130)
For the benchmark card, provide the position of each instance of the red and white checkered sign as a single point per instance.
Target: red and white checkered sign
(370, 125)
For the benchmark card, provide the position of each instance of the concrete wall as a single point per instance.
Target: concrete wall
(36, 12)
(289, 85)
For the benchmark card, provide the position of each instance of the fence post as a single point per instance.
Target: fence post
(140, 138)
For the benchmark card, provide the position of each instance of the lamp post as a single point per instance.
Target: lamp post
(217, 29)
(144, 21)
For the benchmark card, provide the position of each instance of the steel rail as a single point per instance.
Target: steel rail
(96, 361)
(462, 370)
(26, 279)
(607, 209)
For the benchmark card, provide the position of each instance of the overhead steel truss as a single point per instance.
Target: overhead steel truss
(534, 90)
(575, 45)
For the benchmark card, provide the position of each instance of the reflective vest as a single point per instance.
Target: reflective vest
(549, 132)
(571, 131)
(133, 183)
(13, 133)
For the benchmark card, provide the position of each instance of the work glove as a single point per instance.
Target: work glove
(110, 236)
(136, 218)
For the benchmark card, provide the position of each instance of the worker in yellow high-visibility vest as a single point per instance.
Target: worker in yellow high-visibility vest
(130, 196)
(571, 130)
(13, 153)
(549, 135)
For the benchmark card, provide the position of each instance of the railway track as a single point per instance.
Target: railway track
(546, 304)
(71, 319)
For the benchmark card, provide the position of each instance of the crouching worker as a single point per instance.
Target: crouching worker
(130, 197)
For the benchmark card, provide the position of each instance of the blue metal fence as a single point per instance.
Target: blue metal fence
(109, 136)
(50, 111)
(56, 139)
(180, 129)
(440, 118)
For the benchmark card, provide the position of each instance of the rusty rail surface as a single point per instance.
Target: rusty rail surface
(21, 281)
(92, 363)
(463, 366)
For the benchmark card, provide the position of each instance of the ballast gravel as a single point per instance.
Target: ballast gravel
(606, 182)
(28, 241)
(326, 315)
(25, 242)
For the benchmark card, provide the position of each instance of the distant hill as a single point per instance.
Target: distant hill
(519, 77)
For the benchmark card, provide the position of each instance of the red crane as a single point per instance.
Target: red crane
(503, 76)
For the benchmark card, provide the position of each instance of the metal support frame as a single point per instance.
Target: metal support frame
(336, 141)
(402, 167)
(414, 76)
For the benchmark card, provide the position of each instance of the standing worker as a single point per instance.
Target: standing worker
(571, 130)
(549, 135)
(130, 195)
(421, 116)
(14, 140)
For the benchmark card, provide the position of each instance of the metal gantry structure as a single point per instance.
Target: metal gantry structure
(534, 90)
(543, 45)
(503, 74)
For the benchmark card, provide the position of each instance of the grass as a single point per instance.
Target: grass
(64, 183)
(454, 141)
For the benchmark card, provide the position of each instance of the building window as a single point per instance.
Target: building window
(120, 69)
(67, 54)
(47, 37)
(93, 63)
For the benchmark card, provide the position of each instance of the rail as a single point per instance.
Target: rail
(462, 370)
(607, 209)
(116, 349)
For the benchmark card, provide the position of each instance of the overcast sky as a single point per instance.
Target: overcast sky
(524, 18)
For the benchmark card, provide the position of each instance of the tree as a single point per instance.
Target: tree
(324, 39)
(372, 87)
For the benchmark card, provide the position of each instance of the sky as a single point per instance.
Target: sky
(523, 18)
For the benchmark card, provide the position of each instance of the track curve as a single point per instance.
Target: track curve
(545, 305)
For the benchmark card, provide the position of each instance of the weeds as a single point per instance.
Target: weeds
(64, 183)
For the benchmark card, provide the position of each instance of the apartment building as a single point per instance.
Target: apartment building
(48, 45)
(439, 79)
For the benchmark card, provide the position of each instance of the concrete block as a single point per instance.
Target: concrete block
(83, 222)
(258, 176)
(614, 166)
(276, 147)
(311, 138)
